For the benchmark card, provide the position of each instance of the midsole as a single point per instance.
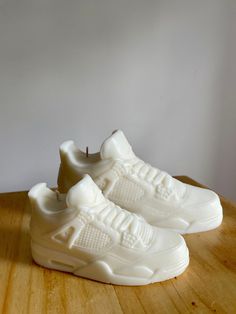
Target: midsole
(182, 226)
(99, 269)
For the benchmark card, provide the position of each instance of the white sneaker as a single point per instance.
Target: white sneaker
(136, 186)
(86, 234)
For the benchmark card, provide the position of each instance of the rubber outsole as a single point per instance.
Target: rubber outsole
(100, 270)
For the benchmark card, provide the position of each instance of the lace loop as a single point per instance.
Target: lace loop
(151, 174)
(115, 217)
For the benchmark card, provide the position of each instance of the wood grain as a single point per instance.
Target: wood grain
(208, 285)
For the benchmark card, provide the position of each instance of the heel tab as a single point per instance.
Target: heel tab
(36, 190)
(66, 146)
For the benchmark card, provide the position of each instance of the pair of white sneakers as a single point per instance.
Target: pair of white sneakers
(82, 230)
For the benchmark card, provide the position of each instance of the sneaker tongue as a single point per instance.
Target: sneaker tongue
(116, 147)
(84, 193)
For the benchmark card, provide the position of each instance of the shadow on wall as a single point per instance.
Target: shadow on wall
(225, 167)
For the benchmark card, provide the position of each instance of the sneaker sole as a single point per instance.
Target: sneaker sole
(100, 270)
(194, 227)
(205, 225)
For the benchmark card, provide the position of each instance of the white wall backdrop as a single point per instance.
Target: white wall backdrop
(163, 71)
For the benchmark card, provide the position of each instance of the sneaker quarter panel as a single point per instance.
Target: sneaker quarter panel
(138, 187)
(86, 234)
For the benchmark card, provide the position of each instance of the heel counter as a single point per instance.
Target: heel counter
(67, 177)
(39, 218)
(61, 180)
(68, 174)
(33, 218)
(65, 172)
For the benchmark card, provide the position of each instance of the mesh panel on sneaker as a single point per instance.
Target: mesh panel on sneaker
(91, 237)
(126, 190)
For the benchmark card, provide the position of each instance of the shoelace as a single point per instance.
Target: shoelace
(114, 216)
(117, 218)
(151, 174)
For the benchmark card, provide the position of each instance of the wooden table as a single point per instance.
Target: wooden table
(208, 285)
